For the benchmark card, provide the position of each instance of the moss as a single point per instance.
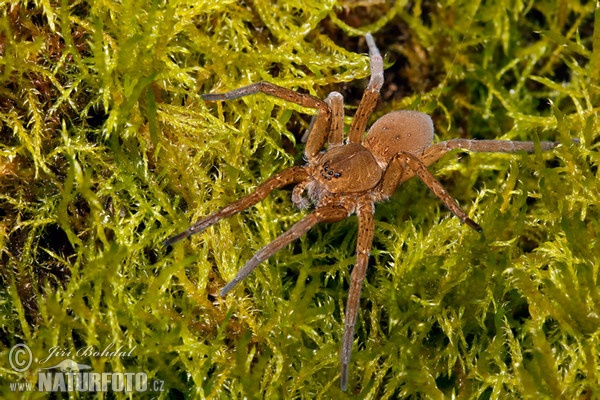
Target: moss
(107, 149)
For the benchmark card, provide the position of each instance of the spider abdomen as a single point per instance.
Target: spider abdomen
(350, 168)
(404, 130)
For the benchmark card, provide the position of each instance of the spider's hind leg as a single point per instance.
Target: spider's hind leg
(397, 172)
(435, 152)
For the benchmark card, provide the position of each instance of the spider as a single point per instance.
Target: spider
(351, 175)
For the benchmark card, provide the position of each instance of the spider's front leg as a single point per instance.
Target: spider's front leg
(366, 228)
(287, 177)
(322, 214)
(321, 125)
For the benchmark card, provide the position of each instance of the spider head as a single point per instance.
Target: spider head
(399, 131)
(347, 169)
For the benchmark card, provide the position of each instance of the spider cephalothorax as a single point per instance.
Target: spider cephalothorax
(352, 174)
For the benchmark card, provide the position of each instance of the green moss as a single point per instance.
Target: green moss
(107, 148)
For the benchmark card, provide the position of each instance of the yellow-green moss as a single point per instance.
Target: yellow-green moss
(106, 148)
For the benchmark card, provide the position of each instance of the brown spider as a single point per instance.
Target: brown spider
(351, 175)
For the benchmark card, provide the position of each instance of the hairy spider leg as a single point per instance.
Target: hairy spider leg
(436, 151)
(366, 228)
(322, 122)
(403, 161)
(370, 96)
(322, 214)
(336, 102)
(297, 195)
(395, 175)
(291, 175)
(396, 172)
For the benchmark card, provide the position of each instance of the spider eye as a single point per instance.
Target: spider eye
(350, 168)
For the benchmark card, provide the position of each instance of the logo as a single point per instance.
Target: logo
(70, 376)
(69, 366)
(20, 357)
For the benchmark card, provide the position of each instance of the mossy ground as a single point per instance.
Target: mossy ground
(107, 149)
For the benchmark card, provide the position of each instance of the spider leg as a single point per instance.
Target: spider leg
(336, 103)
(371, 95)
(305, 100)
(397, 174)
(366, 228)
(436, 151)
(284, 178)
(320, 126)
(323, 214)
(417, 167)
(394, 175)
